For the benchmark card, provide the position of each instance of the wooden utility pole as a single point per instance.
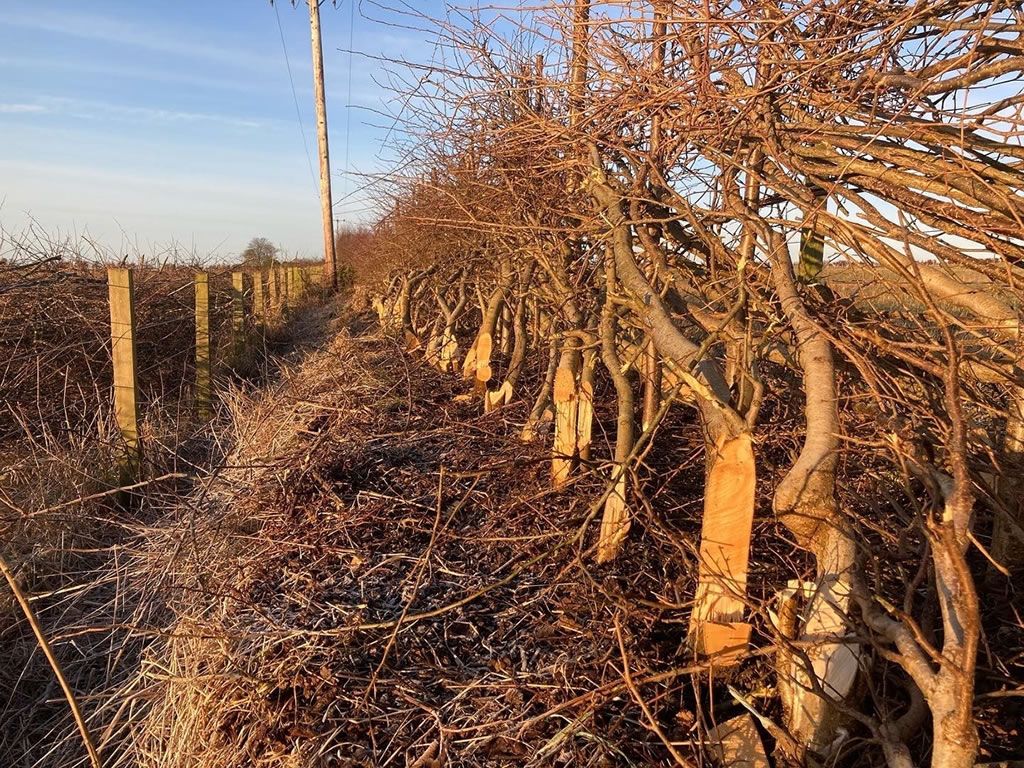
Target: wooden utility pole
(330, 267)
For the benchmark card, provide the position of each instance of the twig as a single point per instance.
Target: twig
(628, 677)
(94, 756)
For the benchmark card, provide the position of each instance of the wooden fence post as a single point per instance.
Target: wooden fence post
(289, 289)
(296, 284)
(238, 314)
(258, 298)
(204, 388)
(122, 345)
(274, 290)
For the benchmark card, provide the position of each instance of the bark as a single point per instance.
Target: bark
(805, 501)
(716, 625)
(615, 518)
(521, 333)
(478, 361)
(541, 410)
(652, 384)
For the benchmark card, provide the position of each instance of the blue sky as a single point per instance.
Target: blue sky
(157, 121)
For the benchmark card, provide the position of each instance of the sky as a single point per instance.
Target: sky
(141, 124)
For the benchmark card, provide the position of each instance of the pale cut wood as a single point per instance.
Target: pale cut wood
(736, 743)
(819, 627)
(483, 360)
(615, 521)
(727, 642)
(585, 417)
(724, 546)
(469, 363)
(652, 385)
(497, 398)
(564, 397)
(204, 388)
(120, 288)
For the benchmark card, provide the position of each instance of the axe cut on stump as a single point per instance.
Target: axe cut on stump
(815, 614)
(716, 625)
(566, 400)
(736, 743)
(498, 397)
(483, 363)
(615, 521)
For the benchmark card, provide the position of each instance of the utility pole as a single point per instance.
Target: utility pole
(330, 266)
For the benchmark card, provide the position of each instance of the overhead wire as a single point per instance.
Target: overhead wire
(295, 99)
(346, 170)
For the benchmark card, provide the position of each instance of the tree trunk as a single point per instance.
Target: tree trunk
(615, 517)
(652, 384)
(566, 399)
(805, 501)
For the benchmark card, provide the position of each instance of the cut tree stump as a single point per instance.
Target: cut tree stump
(449, 350)
(716, 625)
(615, 520)
(483, 362)
(819, 626)
(736, 743)
(497, 398)
(565, 399)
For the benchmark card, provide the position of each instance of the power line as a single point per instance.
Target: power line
(295, 98)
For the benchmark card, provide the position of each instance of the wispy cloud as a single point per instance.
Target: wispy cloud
(79, 64)
(20, 109)
(85, 109)
(109, 29)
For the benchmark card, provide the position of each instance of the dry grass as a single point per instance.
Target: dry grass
(376, 570)
(63, 527)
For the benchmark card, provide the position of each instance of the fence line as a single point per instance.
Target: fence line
(253, 301)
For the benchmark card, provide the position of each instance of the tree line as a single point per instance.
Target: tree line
(715, 207)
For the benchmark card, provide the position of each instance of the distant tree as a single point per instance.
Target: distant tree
(259, 253)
